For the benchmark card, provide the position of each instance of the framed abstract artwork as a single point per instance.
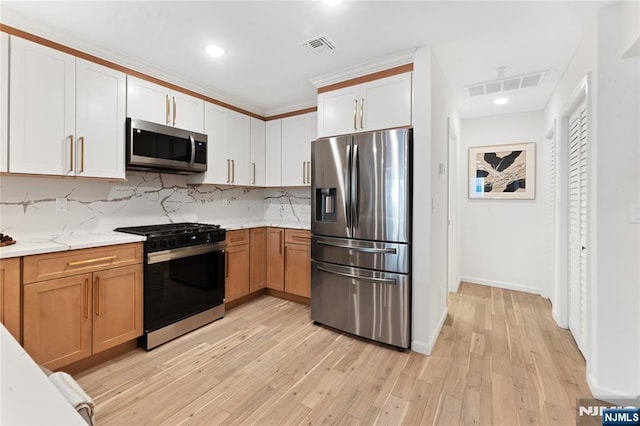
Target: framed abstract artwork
(503, 171)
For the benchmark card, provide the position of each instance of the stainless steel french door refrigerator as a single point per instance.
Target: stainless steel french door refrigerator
(361, 234)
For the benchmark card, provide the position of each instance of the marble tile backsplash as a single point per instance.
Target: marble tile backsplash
(28, 204)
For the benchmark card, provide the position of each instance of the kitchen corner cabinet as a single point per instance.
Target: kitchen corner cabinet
(79, 108)
(228, 149)
(158, 104)
(273, 154)
(379, 104)
(258, 146)
(297, 133)
(10, 295)
(237, 265)
(297, 262)
(81, 302)
(257, 259)
(275, 258)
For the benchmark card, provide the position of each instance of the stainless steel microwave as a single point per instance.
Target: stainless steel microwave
(156, 147)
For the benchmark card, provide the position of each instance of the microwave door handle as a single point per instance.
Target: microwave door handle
(193, 151)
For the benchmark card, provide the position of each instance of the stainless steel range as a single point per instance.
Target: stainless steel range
(184, 272)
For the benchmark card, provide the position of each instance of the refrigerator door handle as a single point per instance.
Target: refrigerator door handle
(361, 249)
(348, 190)
(344, 274)
(355, 171)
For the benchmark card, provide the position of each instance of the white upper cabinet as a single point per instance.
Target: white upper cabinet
(374, 105)
(67, 115)
(273, 153)
(4, 102)
(228, 147)
(297, 133)
(100, 118)
(239, 149)
(258, 177)
(152, 102)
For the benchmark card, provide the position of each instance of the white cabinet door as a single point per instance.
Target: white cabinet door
(42, 105)
(273, 153)
(100, 121)
(4, 102)
(387, 102)
(338, 111)
(239, 149)
(258, 134)
(297, 133)
(187, 112)
(148, 101)
(216, 127)
(158, 104)
(379, 104)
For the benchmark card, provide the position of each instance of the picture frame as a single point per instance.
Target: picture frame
(503, 171)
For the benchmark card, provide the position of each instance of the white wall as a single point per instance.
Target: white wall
(502, 241)
(613, 347)
(432, 106)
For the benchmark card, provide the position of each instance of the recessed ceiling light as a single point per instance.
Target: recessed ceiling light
(501, 101)
(332, 2)
(214, 50)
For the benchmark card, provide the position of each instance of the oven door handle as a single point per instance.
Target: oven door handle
(179, 253)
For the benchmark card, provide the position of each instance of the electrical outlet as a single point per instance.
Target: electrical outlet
(61, 204)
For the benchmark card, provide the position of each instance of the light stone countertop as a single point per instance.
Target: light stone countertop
(28, 244)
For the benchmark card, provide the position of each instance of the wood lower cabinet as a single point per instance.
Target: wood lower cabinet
(297, 274)
(10, 296)
(93, 306)
(275, 258)
(237, 265)
(258, 259)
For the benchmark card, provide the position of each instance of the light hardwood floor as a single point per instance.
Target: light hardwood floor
(500, 360)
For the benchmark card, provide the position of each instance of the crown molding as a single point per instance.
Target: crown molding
(398, 59)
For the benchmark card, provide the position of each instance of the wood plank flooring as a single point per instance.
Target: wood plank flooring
(500, 360)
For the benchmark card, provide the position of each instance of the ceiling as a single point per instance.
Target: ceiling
(267, 70)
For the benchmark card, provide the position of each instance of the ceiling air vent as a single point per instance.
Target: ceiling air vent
(507, 84)
(319, 44)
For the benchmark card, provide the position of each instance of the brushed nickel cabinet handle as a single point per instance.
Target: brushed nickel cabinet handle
(253, 181)
(87, 261)
(86, 304)
(228, 171)
(98, 299)
(355, 114)
(304, 172)
(233, 171)
(175, 109)
(168, 110)
(362, 114)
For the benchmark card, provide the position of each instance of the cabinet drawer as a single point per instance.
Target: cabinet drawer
(240, 236)
(297, 236)
(57, 265)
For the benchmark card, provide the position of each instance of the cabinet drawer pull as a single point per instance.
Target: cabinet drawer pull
(362, 114)
(98, 300)
(175, 110)
(304, 172)
(228, 171)
(253, 181)
(88, 261)
(86, 301)
(81, 140)
(355, 114)
(233, 171)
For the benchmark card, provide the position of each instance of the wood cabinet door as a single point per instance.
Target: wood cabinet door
(100, 121)
(10, 295)
(275, 258)
(42, 104)
(57, 320)
(237, 272)
(297, 274)
(117, 306)
(258, 259)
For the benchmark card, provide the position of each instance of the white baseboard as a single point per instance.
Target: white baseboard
(499, 284)
(426, 348)
(605, 394)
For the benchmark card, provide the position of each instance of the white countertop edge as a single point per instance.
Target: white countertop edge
(27, 245)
